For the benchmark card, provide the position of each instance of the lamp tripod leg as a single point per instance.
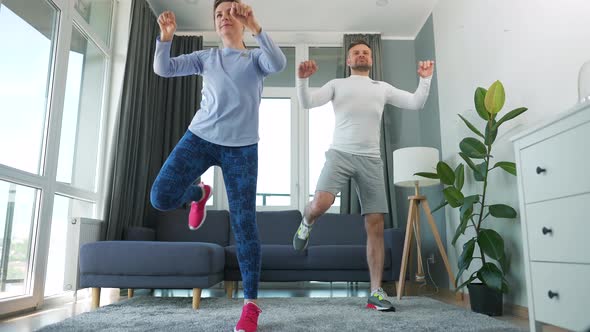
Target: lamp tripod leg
(406, 253)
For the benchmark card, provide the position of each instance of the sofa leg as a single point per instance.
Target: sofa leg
(129, 293)
(95, 298)
(196, 298)
(229, 288)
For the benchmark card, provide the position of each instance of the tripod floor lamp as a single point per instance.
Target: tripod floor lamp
(407, 162)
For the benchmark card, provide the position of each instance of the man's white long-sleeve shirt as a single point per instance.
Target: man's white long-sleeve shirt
(358, 103)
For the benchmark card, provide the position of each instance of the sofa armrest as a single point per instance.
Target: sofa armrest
(394, 242)
(140, 234)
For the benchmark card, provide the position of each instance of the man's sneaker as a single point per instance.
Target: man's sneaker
(301, 237)
(196, 218)
(249, 319)
(377, 301)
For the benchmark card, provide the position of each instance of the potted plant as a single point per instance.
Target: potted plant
(486, 294)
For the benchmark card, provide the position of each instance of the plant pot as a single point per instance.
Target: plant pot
(485, 300)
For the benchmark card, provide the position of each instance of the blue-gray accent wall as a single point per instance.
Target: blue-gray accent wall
(421, 128)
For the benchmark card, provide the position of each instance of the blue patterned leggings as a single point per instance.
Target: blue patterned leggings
(174, 186)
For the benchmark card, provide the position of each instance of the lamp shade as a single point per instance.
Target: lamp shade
(408, 161)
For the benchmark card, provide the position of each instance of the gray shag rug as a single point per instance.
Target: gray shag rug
(146, 313)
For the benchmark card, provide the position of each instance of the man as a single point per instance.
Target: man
(355, 151)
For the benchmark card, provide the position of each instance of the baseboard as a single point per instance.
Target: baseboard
(509, 308)
(516, 310)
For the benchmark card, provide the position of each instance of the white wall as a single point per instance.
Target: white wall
(535, 47)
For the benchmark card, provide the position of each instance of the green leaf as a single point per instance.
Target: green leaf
(468, 281)
(482, 170)
(509, 167)
(440, 206)
(491, 243)
(491, 276)
(466, 257)
(502, 211)
(509, 116)
(468, 203)
(494, 99)
(479, 99)
(459, 176)
(453, 196)
(468, 161)
(473, 148)
(470, 126)
(462, 225)
(490, 134)
(427, 175)
(445, 172)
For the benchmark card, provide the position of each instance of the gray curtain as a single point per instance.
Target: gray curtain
(154, 114)
(349, 202)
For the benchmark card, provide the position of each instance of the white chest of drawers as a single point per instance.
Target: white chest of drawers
(553, 165)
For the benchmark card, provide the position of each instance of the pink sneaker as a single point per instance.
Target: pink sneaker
(196, 218)
(249, 319)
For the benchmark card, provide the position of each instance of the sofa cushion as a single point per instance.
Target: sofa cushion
(172, 226)
(340, 257)
(147, 258)
(338, 229)
(276, 227)
(274, 257)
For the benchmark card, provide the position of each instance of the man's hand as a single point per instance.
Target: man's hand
(307, 68)
(245, 15)
(425, 68)
(167, 23)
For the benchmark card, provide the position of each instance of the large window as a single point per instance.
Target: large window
(27, 29)
(330, 62)
(52, 82)
(18, 207)
(80, 130)
(274, 153)
(97, 13)
(321, 130)
(286, 78)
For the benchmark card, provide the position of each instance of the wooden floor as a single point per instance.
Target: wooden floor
(46, 316)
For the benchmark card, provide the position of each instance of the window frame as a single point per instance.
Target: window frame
(67, 18)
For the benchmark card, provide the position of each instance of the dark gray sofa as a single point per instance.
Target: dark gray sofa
(170, 256)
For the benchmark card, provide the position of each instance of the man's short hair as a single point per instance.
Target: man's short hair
(357, 42)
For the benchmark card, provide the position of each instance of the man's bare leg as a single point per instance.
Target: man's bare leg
(316, 208)
(375, 248)
(375, 257)
(321, 202)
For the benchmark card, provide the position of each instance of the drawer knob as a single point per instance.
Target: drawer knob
(546, 230)
(540, 170)
(552, 294)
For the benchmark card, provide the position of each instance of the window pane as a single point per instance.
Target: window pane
(17, 219)
(78, 150)
(330, 62)
(60, 275)
(321, 130)
(274, 153)
(97, 13)
(25, 68)
(286, 78)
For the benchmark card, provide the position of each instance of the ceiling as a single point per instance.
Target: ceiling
(395, 19)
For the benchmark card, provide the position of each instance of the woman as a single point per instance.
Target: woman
(224, 132)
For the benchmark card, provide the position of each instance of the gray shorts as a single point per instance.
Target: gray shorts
(367, 172)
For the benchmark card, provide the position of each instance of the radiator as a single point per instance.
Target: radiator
(80, 231)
